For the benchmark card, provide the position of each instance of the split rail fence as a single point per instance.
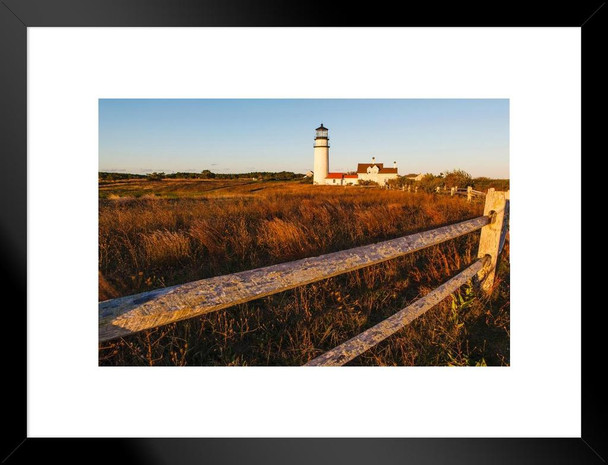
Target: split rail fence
(127, 315)
(468, 191)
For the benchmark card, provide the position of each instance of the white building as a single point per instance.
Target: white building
(341, 179)
(377, 172)
(365, 171)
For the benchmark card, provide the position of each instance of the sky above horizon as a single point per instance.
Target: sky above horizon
(246, 135)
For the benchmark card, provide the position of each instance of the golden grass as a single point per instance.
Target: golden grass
(162, 247)
(151, 241)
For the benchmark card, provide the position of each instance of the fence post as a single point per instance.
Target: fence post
(452, 191)
(438, 189)
(469, 193)
(409, 188)
(489, 242)
(416, 189)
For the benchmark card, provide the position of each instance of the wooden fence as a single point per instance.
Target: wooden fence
(468, 191)
(127, 315)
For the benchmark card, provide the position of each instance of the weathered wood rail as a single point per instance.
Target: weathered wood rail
(369, 338)
(127, 315)
(468, 191)
(491, 243)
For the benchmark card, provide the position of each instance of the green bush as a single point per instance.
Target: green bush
(430, 182)
(457, 178)
(156, 176)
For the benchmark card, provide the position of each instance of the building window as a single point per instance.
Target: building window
(334, 181)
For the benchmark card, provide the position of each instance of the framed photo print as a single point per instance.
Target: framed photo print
(299, 233)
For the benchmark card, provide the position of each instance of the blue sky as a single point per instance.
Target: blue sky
(243, 135)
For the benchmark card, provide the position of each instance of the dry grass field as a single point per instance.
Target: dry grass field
(159, 233)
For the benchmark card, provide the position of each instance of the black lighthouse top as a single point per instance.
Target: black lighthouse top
(321, 132)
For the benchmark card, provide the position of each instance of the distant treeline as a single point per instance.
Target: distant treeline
(205, 174)
(117, 176)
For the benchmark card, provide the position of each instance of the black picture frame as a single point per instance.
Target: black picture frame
(17, 15)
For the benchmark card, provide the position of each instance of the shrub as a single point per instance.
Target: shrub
(430, 182)
(457, 178)
(483, 184)
(156, 176)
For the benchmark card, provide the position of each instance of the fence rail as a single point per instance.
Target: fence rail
(468, 191)
(369, 338)
(127, 315)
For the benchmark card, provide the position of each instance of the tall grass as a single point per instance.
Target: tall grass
(151, 242)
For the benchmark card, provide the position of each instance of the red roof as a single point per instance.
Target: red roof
(335, 175)
(362, 167)
(387, 170)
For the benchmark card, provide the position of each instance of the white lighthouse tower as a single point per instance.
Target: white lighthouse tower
(321, 165)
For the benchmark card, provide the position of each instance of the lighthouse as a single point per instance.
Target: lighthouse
(373, 171)
(321, 153)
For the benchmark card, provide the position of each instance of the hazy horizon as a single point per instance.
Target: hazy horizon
(141, 136)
